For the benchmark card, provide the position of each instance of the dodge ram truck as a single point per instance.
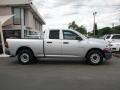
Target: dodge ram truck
(58, 43)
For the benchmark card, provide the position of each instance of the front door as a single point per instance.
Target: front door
(72, 44)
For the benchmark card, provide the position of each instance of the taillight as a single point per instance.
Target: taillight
(6, 45)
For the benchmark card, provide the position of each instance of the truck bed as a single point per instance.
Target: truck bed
(35, 44)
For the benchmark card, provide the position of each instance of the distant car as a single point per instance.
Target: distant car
(115, 46)
(112, 38)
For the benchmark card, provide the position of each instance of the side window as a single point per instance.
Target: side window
(54, 34)
(69, 35)
(116, 37)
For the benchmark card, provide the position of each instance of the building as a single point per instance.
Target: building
(26, 20)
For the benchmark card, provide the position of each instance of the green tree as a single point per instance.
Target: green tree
(81, 29)
(73, 25)
(90, 33)
(105, 30)
(116, 30)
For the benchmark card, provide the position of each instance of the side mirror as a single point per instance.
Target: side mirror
(78, 38)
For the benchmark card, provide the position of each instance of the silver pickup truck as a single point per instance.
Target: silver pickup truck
(59, 43)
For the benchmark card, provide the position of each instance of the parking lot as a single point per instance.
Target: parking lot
(51, 74)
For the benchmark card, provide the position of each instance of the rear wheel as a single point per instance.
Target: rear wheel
(95, 57)
(25, 56)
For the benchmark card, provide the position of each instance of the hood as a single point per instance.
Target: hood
(97, 41)
(117, 43)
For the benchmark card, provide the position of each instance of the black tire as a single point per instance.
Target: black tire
(35, 60)
(25, 57)
(95, 57)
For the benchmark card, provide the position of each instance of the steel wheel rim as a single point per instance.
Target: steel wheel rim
(25, 58)
(95, 58)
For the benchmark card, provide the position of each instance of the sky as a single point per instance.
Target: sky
(59, 13)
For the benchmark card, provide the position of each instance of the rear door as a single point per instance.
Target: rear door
(53, 45)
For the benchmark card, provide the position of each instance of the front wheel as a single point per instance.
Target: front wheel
(25, 56)
(95, 57)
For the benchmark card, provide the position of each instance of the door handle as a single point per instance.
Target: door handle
(65, 42)
(49, 42)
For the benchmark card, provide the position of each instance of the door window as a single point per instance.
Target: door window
(54, 34)
(69, 35)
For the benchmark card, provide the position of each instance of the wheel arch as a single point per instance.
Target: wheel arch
(24, 48)
(94, 49)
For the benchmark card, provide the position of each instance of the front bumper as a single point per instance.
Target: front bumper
(108, 55)
(115, 49)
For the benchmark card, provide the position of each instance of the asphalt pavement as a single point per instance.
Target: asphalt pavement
(52, 74)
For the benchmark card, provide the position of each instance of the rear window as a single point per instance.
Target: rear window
(54, 34)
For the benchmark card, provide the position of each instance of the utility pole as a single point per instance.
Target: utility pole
(113, 25)
(94, 14)
(119, 21)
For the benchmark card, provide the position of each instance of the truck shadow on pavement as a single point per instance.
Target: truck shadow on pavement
(60, 62)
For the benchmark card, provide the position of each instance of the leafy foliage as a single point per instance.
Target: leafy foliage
(108, 30)
(73, 25)
(98, 32)
(103, 31)
(116, 29)
(80, 29)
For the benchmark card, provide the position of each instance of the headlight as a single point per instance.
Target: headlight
(110, 45)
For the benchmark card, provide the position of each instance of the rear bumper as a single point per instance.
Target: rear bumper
(1, 51)
(7, 51)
